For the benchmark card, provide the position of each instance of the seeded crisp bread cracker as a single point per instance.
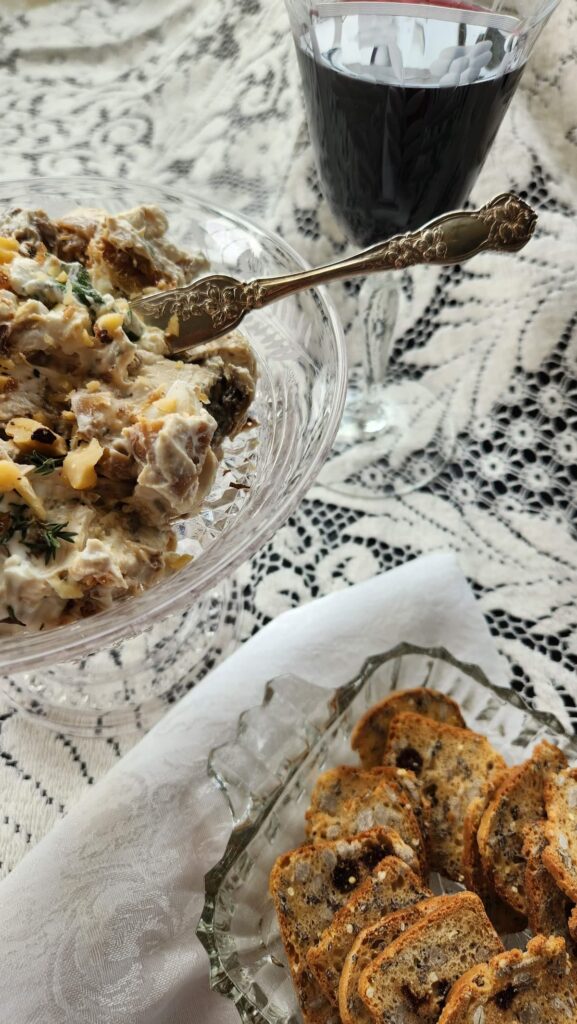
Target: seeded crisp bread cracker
(367, 946)
(518, 801)
(454, 766)
(359, 800)
(391, 887)
(502, 917)
(308, 886)
(347, 782)
(410, 980)
(548, 908)
(560, 856)
(475, 877)
(535, 987)
(370, 734)
(366, 940)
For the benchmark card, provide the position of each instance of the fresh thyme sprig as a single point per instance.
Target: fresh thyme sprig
(13, 522)
(45, 464)
(40, 539)
(46, 538)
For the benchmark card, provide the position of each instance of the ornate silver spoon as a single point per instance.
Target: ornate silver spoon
(212, 306)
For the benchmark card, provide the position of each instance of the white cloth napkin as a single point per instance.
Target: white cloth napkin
(97, 923)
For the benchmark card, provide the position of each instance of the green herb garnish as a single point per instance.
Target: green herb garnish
(45, 464)
(46, 538)
(41, 539)
(132, 326)
(83, 289)
(13, 522)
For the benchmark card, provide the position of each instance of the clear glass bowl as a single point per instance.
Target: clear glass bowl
(267, 773)
(55, 674)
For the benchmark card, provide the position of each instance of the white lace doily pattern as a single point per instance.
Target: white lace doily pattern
(204, 95)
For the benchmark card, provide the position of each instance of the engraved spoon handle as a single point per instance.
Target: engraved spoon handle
(215, 305)
(504, 225)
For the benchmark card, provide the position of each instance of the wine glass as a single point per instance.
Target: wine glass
(403, 102)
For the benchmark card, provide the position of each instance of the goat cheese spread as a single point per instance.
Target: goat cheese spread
(105, 441)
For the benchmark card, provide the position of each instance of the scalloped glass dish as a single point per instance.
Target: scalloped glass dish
(76, 677)
(267, 774)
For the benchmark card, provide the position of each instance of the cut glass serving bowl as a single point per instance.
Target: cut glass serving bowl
(267, 773)
(117, 669)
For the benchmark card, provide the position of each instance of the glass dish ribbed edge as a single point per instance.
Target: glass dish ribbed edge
(267, 772)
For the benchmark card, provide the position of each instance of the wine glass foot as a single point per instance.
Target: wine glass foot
(401, 442)
(129, 687)
(363, 419)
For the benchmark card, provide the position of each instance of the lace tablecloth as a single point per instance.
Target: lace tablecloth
(205, 96)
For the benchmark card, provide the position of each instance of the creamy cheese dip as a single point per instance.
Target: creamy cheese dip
(104, 440)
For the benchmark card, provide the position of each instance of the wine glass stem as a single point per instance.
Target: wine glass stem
(379, 307)
(367, 411)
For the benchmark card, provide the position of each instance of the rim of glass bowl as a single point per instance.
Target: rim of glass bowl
(74, 640)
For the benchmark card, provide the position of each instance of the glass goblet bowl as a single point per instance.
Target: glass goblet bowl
(118, 669)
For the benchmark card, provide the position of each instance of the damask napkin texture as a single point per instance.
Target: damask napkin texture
(97, 923)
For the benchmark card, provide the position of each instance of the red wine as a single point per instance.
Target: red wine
(390, 157)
